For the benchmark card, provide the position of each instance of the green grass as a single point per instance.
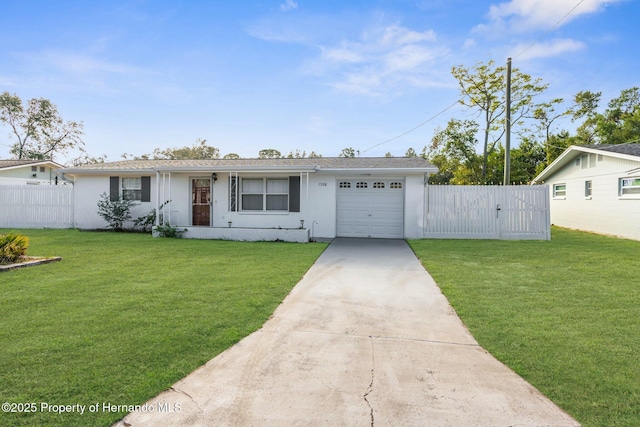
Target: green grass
(123, 316)
(564, 314)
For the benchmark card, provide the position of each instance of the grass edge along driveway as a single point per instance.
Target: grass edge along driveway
(124, 316)
(564, 314)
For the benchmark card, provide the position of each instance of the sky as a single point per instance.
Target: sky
(308, 75)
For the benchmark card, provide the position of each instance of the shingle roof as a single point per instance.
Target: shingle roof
(14, 163)
(630, 148)
(258, 164)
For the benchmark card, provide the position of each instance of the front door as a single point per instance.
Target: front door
(201, 201)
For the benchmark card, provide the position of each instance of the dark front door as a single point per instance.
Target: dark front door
(201, 201)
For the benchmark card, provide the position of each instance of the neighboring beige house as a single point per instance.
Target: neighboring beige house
(596, 188)
(34, 172)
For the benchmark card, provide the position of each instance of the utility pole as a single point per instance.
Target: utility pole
(507, 148)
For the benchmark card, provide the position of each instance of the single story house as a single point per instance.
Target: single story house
(596, 188)
(33, 172)
(264, 199)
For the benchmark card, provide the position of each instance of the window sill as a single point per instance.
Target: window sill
(560, 198)
(629, 197)
(588, 198)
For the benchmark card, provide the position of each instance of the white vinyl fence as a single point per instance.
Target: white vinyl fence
(487, 212)
(36, 206)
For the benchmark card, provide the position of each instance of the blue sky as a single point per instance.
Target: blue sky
(316, 75)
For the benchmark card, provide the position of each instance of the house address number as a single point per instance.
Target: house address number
(322, 184)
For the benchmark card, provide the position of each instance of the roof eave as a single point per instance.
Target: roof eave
(378, 171)
(54, 165)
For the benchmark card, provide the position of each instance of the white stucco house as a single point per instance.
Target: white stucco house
(264, 199)
(31, 172)
(596, 188)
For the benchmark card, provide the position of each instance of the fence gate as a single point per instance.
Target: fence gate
(487, 212)
(36, 206)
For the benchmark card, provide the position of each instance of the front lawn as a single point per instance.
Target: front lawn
(564, 314)
(124, 316)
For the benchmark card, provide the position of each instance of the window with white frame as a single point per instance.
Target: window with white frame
(629, 187)
(587, 189)
(265, 194)
(559, 191)
(132, 188)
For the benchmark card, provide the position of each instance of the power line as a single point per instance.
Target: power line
(412, 129)
(553, 27)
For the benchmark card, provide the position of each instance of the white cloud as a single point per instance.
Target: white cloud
(341, 55)
(546, 50)
(398, 36)
(382, 59)
(525, 15)
(408, 58)
(79, 64)
(288, 5)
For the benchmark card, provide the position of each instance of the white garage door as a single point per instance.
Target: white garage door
(371, 208)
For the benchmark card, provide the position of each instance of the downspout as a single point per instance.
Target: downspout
(65, 179)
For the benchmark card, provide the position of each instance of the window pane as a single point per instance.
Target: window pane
(277, 203)
(252, 202)
(132, 194)
(278, 186)
(131, 183)
(253, 186)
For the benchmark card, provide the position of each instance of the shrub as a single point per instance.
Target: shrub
(115, 211)
(12, 247)
(168, 230)
(146, 222)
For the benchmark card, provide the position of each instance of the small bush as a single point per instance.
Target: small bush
(168, 230)
(12, 247)
(146, 222)
(115, 211)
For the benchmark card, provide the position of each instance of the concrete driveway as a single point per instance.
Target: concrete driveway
(365, 339)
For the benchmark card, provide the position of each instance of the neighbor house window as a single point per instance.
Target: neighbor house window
(265, 194)
(587, 189)
(629, 187)
(559, 191)
(132, 188)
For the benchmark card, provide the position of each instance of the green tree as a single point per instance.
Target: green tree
(347, 152)
(483, 88)
(410, 153)
(453, 150)
(585, 107)
(231, 156)
(38, 129)
(297, 154)
(198, 151)
(269, 153)
(620, 122)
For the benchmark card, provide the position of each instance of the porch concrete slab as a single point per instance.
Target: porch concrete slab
(365, 339)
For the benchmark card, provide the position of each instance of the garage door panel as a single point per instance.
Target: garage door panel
(371, 208)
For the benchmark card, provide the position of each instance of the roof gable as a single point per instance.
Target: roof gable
(628, 151)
